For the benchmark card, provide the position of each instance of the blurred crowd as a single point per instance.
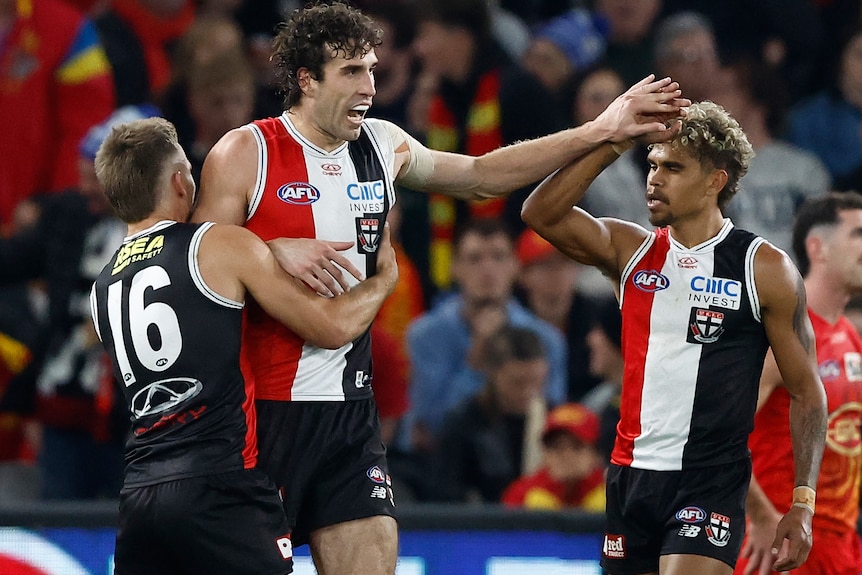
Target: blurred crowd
(497, 359)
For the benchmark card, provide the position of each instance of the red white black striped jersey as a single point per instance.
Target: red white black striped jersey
(174, 344)
(303, 191)
(694, 346)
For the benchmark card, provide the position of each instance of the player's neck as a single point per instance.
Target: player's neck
(695, 231)
(302, 120)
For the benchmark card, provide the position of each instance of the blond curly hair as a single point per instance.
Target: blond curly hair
(712, 136)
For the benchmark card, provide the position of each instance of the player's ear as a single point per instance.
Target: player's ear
(718, 181)
(304, 79)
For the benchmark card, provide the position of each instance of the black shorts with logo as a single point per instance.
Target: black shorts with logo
(229, 522)
(328, 459)
(655, 513)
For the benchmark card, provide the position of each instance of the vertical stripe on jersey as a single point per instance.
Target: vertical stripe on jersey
(366, 157)
(260, 178)
(670, 379)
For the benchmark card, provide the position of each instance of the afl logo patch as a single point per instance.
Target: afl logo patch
(376, 475)
(298, 193)
(691, 514)
(650, 281)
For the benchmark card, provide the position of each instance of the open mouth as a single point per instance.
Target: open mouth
(357, 113)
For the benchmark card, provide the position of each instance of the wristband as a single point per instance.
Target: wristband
(804, 496)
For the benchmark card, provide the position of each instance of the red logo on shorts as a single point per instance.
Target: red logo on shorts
(614, 547)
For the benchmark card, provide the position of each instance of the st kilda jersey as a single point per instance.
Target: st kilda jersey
(303, 191)
(174, 346)
(694, 345)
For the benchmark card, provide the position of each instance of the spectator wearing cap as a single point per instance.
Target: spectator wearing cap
(548, 285)
(572, 475)
(68, 385)
(562, 48)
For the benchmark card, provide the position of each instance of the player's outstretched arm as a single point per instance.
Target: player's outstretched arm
(785, 317)
(234, 260)
(640, 112)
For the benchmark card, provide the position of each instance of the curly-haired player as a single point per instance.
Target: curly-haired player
(323, 174)
(701, 302)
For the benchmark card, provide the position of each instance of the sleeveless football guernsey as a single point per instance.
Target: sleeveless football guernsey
(174, 346)
(303, 191)
(694, 346)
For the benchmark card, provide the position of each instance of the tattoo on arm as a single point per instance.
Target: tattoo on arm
(808, 444)
(800, 314)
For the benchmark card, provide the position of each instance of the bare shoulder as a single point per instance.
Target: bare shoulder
(776, 277)
(237, 145)
(228, 178)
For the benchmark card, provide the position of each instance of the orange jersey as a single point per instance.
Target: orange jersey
(839, 358)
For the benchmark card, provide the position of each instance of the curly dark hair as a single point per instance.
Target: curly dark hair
(314, 35)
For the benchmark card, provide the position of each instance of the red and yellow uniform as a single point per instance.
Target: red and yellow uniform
(836, 544)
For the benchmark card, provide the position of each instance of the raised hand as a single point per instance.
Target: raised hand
(645, 111)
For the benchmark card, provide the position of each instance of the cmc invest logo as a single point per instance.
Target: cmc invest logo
(23, 552)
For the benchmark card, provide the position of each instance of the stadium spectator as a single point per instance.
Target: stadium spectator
(488, 441)
(781, 176)
(572, 475)
(221, 97)
(829, 123)
(606, 362)
(139, 36)
(208, 39)
(482, 101)
(563, 48)
(55, 83)
(685, 49)
(549, 288)
(82, 426)
(445, 344)
(629, 26)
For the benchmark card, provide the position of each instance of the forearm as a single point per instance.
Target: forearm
(554, 198)
(506, 169)
(808, 433)
(355, 310)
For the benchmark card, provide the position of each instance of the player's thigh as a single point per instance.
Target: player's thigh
(689, 564)
(367, 545)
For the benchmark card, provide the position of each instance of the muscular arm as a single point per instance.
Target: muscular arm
(227, 181)
(233, 260)
(785, 317)
(640, 110)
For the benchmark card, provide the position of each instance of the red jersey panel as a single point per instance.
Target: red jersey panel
(303, 191)
(839, 358)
